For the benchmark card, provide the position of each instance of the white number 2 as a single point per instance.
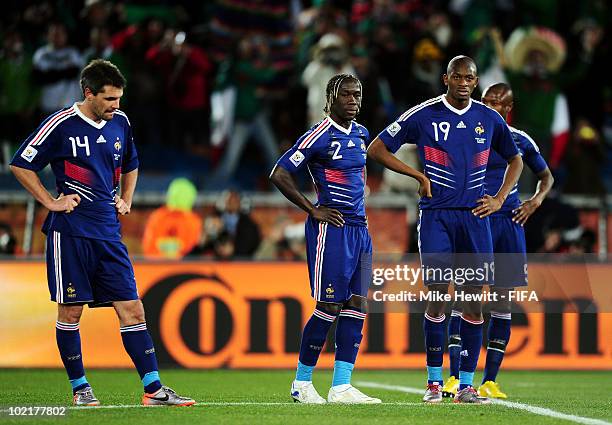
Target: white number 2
(444, 128)
(76, 141)
(338, 146)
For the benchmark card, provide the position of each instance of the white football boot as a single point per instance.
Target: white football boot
(305, 392)
(348, 394)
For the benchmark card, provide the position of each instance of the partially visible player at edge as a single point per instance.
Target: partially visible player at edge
(92, 154)
(509, 246)
(339, 256)
(454, 135)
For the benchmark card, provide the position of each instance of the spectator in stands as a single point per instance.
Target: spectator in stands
(186, 71)
(238, 223)
(426, 70)
(330, 57)
(18, 94)
(286, 241)
(172, 230)
(585, 158)
(248, 73)
(56, 68)
(144, 96)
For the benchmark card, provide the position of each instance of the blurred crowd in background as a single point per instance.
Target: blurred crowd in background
(217, 90)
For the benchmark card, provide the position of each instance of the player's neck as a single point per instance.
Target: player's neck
(85, 110)
(457, 104)
(343, 123)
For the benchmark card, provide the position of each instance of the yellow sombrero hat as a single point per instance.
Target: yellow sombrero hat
(523, 40)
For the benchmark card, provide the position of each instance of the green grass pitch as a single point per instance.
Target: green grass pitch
(262, 397)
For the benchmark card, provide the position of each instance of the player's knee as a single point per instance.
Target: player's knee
(69, 313)
(502, 304)
(329, 308)
(358, 303)
(130, 312)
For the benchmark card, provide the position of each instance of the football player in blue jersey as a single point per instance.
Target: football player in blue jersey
(454, 135)
(92, 154)
(339, 248)
(509, 246)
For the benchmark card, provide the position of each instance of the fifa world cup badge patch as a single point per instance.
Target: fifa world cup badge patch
(29, 153)
(297, 158)
(393, 129)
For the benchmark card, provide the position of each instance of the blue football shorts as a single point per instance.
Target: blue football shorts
(339, 261)
(88, 271)
(455, 246)
(510, 252)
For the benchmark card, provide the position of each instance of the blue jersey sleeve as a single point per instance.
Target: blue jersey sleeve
(531, 154)
(502, 141)
(39, 149)
(305, 149)
(130, 156)
(399, 133)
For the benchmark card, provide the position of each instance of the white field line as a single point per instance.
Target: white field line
(209, 403)
(511, 404)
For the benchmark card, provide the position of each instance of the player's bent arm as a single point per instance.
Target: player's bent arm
(30, 181)
(284, 181)
(545, 183)
(511, 176)
(128, 186)
(378, 152)
(527, 208)
(488, 204)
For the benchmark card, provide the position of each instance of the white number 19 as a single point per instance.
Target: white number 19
(444, 128)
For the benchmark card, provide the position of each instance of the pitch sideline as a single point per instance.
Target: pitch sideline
(542, 411)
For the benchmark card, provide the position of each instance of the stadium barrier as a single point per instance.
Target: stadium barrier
(250, 315)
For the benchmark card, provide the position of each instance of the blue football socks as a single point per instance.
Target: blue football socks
(69, 344)
(498, 337)
(313, 339)
(433, 328)
(348, 340)
(471, 341)
(139, 346)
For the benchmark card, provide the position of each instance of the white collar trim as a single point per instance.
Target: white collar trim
(89, 121)
(339, 127)
(455, 110)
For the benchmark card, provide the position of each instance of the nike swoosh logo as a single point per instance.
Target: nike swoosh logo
(165, 398)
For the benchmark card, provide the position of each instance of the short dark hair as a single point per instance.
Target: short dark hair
(333, 86)
(99, 73)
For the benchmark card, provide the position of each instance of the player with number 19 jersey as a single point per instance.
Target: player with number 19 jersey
(454, 147)
(88, 159)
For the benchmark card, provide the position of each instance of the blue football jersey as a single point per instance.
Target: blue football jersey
(497, 167)
(336, 159)
(87, 158)
(453, 146)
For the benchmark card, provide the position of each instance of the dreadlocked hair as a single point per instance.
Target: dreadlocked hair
(333, 86)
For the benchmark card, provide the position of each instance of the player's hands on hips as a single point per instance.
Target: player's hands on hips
(327, 215)
(424, 187)
(65, 203)
(488, 205)
(524, 211)
(122, 207)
